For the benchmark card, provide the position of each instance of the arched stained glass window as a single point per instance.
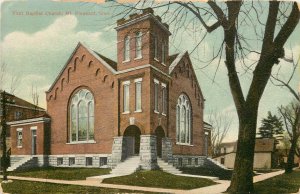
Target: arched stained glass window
(183, 120)
(82, 116)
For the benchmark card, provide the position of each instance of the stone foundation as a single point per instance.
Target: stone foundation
(148, 156)
(118, 151)
(80, 160)
(167, 154)
(188, 161)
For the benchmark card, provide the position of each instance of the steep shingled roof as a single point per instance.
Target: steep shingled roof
(112, 63)
(175, 60)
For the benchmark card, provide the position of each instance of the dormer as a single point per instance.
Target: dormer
(143, 39)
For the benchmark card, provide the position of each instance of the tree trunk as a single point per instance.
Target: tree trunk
(4, 159)
(242, 177)
(290, 162)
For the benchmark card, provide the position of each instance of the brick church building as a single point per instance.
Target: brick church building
(147, 103)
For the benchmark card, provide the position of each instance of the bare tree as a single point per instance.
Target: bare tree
(14, 82)
(291, 118)
(2, 75)
(277, 81)
(34, 95)
(271, 34)
(290, 113)
(220, 126)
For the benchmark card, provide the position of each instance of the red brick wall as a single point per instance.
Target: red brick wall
(181, 82)
(27, 109)
(148, 28)
(26, 149)
(82, 73)
(142, 119)
(157, 119)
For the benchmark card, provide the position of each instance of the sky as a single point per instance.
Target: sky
(38, 36)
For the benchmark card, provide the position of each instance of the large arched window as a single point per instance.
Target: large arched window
(82, 116)
(183, 120)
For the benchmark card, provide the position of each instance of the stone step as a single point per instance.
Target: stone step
(23, 163)
(167, 167)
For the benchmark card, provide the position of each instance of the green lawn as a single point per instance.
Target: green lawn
(221, 173)
(27, 187)
(60, 173)
(160, 179)
(285, 183)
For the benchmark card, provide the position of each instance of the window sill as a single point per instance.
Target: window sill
(184, 144)
(19, 146)
(164, 114)
(126, 61)
(138, 111)
(125, 113)
(155, 111)
(137, 58)
(163, 64)
(82, 142)
(155, 59)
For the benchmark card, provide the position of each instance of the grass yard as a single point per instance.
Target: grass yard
(221, 173)
(285, 183)
(160, 179)
(27, 187)
(60, 173)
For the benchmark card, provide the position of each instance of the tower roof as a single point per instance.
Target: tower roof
(135, 18)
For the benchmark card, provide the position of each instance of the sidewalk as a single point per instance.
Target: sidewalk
(98, 184)
(213, 189)
(222, 187)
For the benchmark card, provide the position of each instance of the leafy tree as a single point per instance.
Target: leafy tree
(271, 126)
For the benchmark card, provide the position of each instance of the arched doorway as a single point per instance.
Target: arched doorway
(160, 134)
(134, 132)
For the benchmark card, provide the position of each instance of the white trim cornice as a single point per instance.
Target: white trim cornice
(30, 108)
(29, 121)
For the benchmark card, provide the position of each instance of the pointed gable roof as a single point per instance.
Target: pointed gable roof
(108, 63)
(176, 59)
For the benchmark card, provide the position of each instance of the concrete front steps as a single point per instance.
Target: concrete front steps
(173, 170)
(129, 166)
(21, 162)
(213, 162)
(167, 167)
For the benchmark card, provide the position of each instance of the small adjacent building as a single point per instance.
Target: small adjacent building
(18, 109)
(263, 154)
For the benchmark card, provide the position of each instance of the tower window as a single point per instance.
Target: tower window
(155, 47)
(163, 52)
(164, 98)
(126, 96)
(138, 95)
(138, 45)
(126, 48)
(156, 85)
